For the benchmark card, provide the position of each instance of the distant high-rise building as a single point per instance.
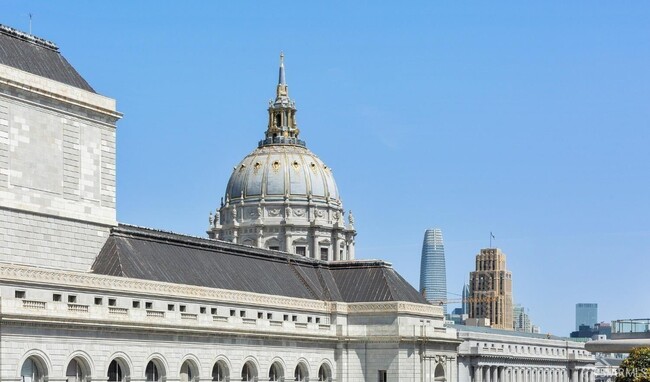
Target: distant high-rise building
(586, 314)
(433, 272)
(491, 289)
(521, 319)
(465, 303)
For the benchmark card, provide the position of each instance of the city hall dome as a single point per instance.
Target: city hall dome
(275, 171)
(282, 196)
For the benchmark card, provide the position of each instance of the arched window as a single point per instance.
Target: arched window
(33, 370)
(189, 372)
(324, 373)
(248, 372)
(117, 371)
(301, 373)
(276, 372)
(154, 372)
(77, 371)
(220, 371)
(439, 373)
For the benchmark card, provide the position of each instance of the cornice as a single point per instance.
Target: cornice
(93, 282)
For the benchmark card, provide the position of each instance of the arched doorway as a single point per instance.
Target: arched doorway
(118, 371)
(276, 372)
(33, 370)
(301, 373)
(77, 371)
(189, 372)
(249, 372)
(154, 372)
(324, 373)
(220, 371)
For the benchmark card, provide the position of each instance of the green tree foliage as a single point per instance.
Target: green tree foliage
(636, 367)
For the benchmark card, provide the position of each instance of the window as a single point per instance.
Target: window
(19, 294)
(203, 310)
(294, 318)
(213, 311)
(112, 302)
(301, 373)
(301, 251)
(72, 299)
(75, 372)
(116, 371)
(32, 370)
(183, 308)
(383, 376)
(310, 319)
(136, 304)
(324, 253)
(188, 373)
(269, 316)
(153, 373)
(242, 313)
(233, 312)
(148, 305)
(170, 307)
(318, 320)
(324, 373)
(219, 372)
(248, 372)
(260, 315)
(286, 317)
(275, 372)
(57, 297)
(99, 301)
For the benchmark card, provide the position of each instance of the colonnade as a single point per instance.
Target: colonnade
(500, 373)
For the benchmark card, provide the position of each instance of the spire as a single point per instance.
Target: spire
(282, 127)
(282, 92)
(281, 80)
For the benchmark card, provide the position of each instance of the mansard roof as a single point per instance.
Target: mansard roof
(148, 254)
(37, 56)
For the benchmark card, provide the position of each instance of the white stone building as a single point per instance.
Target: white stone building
(492, 355)
(85, 298)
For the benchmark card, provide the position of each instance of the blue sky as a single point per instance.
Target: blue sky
(528, 120)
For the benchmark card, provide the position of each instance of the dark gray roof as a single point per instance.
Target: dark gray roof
(37, 56)
(148, 254)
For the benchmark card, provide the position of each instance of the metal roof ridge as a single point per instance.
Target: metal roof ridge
(12, 32)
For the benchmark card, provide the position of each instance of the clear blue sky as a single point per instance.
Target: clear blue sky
(528, 120)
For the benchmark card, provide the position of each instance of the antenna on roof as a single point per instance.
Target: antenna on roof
(30, 23)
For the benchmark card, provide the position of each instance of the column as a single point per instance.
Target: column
(477, 373)
(495, 373)
(337, 249)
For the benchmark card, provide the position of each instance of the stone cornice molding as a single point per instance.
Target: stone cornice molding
(397, 307)
(93, 282)
(33, 83)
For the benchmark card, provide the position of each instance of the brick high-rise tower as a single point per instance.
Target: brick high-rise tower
(491, 289)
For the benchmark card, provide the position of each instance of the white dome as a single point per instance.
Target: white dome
(278, 171)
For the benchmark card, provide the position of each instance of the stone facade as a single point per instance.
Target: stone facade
(57, 171)
(53, 317)
(502, 356)
(491, 289)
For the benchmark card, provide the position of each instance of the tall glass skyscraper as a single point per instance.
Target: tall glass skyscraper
(433, 272)
(586, 314)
